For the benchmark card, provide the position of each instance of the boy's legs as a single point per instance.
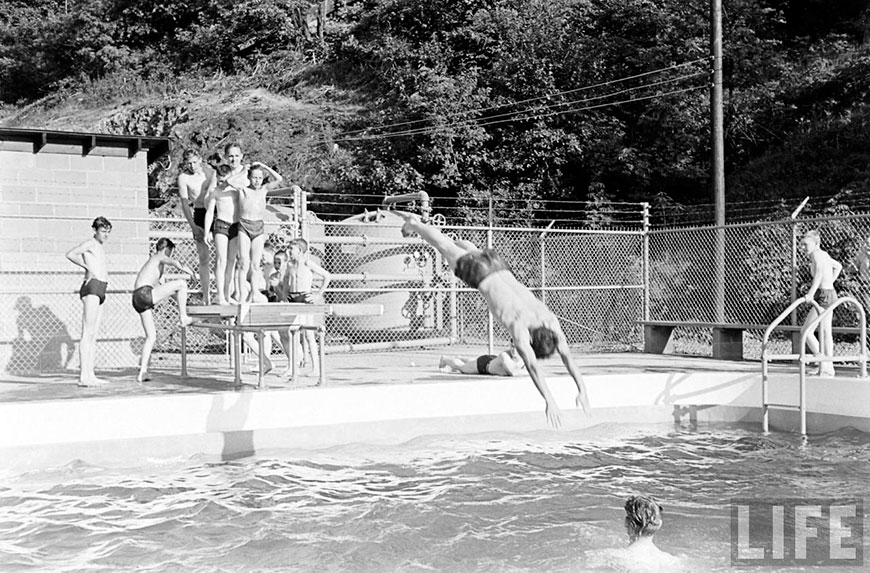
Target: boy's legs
(91, 314)
(221, 249)
(204, 277)
(812, 341)
(231, 276)
(244, 243)
(254, 346)
(459, 364)
(449, 249)
(826, 335)
(147, 318)
(310, 351)
(179, 289)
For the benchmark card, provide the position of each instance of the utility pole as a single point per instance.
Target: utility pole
(717, 131)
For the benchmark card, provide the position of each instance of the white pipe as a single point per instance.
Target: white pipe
(343, 348)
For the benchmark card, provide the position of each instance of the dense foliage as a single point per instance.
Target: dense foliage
(596, 100)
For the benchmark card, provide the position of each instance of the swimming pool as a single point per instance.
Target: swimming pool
(546, 501)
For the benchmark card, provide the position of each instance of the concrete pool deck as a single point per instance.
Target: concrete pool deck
(391, 397)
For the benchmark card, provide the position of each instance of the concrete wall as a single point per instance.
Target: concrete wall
(48, 200)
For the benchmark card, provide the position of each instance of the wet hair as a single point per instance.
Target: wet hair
(101, 223)
(223, 169)
(643, 516)
(256, 168)
(230, 145)
(163, 243)
(544, 341)
(301, 243)
(189, 154)
(268, 247)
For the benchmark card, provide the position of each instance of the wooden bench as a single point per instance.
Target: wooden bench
(727, 337)
(258, 318)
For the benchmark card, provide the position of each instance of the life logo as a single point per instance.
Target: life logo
(797, 532)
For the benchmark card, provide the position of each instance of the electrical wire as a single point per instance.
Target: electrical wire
(545, 97)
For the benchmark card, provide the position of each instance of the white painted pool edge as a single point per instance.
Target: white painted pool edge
(33, 434)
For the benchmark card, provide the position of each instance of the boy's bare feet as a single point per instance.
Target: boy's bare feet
(92, 382)
(143, 377)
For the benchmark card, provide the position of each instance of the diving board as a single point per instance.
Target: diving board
(260, 317)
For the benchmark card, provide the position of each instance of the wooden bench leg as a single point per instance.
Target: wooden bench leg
(321, 339)
(657, 339)
(728, 343)
(261, 351)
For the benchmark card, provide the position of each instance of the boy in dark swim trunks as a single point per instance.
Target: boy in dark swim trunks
(825, 271)
(148, 291)
(195, 181)
(535, 330)
(505, 363)
(91, 256)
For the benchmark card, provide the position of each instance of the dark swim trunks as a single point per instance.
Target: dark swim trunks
(826, 297)
(483, 363)
(476, 266)
(199, 217)
(142, 299)
(253, 229)
(94, 287)
(223, 228)
(297, 296)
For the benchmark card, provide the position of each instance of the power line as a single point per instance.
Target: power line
(548, 96)
(518, 115)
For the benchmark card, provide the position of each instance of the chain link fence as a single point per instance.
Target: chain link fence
(764, 270)
(591, 279)
(600, 283)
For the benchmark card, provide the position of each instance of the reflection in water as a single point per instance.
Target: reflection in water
(542, 502)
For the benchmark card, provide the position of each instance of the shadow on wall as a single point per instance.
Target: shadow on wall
(42, 342)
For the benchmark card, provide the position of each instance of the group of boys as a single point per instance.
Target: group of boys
(230, 201)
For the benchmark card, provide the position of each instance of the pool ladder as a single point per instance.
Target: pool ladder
(805, 359)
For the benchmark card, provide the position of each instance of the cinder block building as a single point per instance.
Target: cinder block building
(52, 185)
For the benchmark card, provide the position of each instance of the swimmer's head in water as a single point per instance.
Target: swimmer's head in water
(643, 516)
(544, 341)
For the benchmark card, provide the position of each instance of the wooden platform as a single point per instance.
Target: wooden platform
(258, 318)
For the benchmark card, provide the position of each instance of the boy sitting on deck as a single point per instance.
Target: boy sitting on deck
(149, 291)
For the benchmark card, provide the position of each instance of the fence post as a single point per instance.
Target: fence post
(544, 262)
(490, 327)
(645, 262)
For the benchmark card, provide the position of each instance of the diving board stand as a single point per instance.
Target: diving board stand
(259, 318)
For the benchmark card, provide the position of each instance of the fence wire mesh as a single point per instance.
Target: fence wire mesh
(597, 282)
(591, 280)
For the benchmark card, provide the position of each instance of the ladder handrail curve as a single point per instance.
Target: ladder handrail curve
(813, 324)
(776, 322)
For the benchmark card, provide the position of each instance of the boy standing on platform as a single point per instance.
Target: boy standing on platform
(149, 291)
(195, 182)
(91, 256)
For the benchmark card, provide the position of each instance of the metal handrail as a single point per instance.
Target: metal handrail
(802, 357)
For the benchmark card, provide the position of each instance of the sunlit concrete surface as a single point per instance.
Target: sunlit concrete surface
(387, 397)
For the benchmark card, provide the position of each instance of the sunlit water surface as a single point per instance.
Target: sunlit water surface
(534, 502)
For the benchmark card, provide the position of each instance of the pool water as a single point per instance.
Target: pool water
(549, 501)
